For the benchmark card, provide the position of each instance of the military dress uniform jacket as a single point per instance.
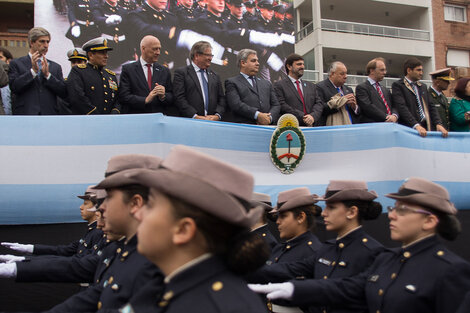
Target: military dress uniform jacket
(121, 278)
(79, 248)
(299, 248)
(93, 90)
(404, 97)
(206, 287)
(442, 106)
(80, 14)
(264, 232)
(424, 277)
(73, 269)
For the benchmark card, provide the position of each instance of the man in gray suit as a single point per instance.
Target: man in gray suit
(251, 100)
(374, 99)
(296, 96)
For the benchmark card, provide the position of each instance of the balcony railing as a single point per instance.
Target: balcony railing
(365, 29)
(353, 80)
(375, 30)
(13, 40)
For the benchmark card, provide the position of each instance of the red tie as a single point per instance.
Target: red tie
(149, 75)
(301, 95)
(379, 90)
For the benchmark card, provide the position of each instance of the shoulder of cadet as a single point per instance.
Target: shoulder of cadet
(447, 256)
(371, 243)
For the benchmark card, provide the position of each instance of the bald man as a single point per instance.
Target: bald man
(146, 85)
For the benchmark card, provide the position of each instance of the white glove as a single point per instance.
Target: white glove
(18, 247)
(8, 270)
(275, 62)
(288, 38)
(274, 291)
(113, 19)
(8, 258)
(265, 39)
(75, 31)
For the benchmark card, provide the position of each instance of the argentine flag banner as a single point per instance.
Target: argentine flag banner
(45, 162)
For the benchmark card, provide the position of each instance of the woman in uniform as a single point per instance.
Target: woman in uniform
(296, 212)
(420, 276)
(348, 204)
(196, 229)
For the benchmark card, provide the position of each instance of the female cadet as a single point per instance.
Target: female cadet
(296, 212)
(196, 229)
(421, 276)
(348, 203)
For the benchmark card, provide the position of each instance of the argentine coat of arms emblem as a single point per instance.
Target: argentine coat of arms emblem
(287, 146)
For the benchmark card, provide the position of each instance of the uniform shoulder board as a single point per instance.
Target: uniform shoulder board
(81, 65)
(371, 243)
(110, 72)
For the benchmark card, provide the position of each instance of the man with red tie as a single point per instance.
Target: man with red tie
(146, 85)
(374, 99)
(296, 96)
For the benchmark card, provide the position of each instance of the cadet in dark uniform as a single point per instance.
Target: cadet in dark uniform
(261, 227)
(80, 247)
(421, 276)
(110, 19)
(440, 82)
(92, 88)
(195, 227)
(76, 56)
(250, 13)
(200, 7)
(128, 5)
(153, 19)
(278, 18)
(348, 203)
(185, 14)
(82, 26)
(128, 270)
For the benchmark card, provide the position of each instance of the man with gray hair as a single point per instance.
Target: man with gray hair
(198, 90)
(340, 107)
(35, 82)
(252, 100)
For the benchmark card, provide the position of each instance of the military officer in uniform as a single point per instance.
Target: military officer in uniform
(440, 82)
(278, 18)
(420, 276)
(91, 87)
(82, 26)
(250, 13)
(76, 56)
(109, 18)
(153, 19)
(185, 14)
(348, 203)
(235, 19)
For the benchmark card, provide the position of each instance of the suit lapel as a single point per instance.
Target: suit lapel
(192, 73)
(156, 74)
(140, 73)
(293, 89)
(244, 81)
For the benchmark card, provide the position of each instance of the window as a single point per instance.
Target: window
(455, 13)
(458, 58)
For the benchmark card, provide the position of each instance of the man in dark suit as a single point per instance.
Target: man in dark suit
(146, 85)
(296, 96)
(251, 100)
(335, 85)
(198, 90)
(375, 100)
(35, 82)
(412, 99)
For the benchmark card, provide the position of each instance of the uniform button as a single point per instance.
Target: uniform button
(342, 263)
(325, 277)
(217, 286)
(276, 259)
(168, 295)
(341, 245)
(105, 110)
(106, 101)
(125, 254)
(105, 93)
(309, 243)
(92, 87)
(117, 28)
(118, 250)
(333, 263)
(162, 303)
(288, 247)
(264, 235)
(103, 77)
(406, 254)
(99, 305)
(110, 280)
(364, 240)
(440, 253)
(104, 86)
(393, 276)
(381, 292)
(378, 311)
(115, 287)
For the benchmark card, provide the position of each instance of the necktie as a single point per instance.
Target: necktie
(340, 91)
(253, 82)
(205, 86)
(379, 90)
(301, 95)
(149, 75)
(39, 67)
(420, 105)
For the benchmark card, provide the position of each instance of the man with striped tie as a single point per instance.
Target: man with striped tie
(373, 98)
(412, 98)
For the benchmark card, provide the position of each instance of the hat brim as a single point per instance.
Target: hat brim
(350, 194)
(426, 200)
(199, 193)
(86, 197)
(295, 203)
(77, 58)
(446, 78)
(118, 179)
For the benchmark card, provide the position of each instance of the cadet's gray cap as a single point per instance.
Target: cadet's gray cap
(342, 190)
(237, 3)
(119, 165)
(262, 199)
(426, 193)
(89, 193)
(215, 187)
(266, 4)
(97, 44)
(294, 198)
(76, 53)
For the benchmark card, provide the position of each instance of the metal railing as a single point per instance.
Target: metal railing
(353, 80)
(375, 30)
(304, 32)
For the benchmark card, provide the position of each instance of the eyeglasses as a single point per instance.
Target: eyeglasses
(209, 55)
(403, 210)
